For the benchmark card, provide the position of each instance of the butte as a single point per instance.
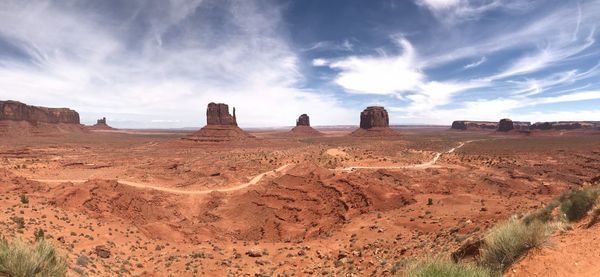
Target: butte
(220, 126)
(303, 128)
(374, 122)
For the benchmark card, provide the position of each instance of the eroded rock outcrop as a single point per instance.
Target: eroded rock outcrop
(218, 114)
(505, 125)
(303, 127)
(303, 120)
(565, 125)
(374, 116)
(374, 121)
(18, 119)
(220, 125)
(101, 125)
(474, 125)
(17, 111)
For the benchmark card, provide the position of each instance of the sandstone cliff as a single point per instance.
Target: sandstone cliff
(17, 111)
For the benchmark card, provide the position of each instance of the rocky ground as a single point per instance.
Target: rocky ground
(146, 204)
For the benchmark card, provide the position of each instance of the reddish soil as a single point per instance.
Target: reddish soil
(274, 204)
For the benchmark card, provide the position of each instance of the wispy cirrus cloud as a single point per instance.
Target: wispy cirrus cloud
(475, 63)
(181, 59)
(557, 39)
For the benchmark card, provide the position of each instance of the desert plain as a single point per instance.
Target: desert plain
(149, 203)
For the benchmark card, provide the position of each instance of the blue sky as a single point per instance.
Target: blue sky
(158, 63)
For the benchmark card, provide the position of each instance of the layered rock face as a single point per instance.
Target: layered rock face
(101, 121)
(374, 122)
(474, 125)
(220, 125)
(374, 116)
(17, 111)
(218, 114)
(565, 125)
(303, 120)
(521, 125)
(505, 125)
(303, 127)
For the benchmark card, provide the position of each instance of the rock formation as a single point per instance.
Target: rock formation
(218, 114)
(220, 125)
(374, 121)
(19, 119)
(565, 125)
(303, 127)
(17, 111)
(505, 125)
(101, 125)
(474, 125)
(374, 116)
(303, 120)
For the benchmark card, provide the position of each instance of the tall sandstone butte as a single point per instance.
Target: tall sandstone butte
(17, 111)
(374, 116)
(218, 114)
(220, 125)
(303, 128)
(374, 121)
(303, 120)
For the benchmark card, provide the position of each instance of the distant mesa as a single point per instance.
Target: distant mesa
(505, 125)
(303, 127)
(474, 125)
(101, 125)
(220, 125)
(565, 125)
(17, 118)
(17, 111)
(374, 121)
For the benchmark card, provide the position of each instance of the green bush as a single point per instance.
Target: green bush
(20, 259)
(543, 215)
(507, 242)
(435, 267)
(575, 204)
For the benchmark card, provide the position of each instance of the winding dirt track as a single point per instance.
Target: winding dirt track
(414, 166)
(258, 177)
(253, 181)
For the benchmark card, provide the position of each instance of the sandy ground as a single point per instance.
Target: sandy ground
(331, 205)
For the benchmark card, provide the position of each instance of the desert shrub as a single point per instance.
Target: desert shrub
(543, 215)
(575, 204)
(24, 199)
(20, 259)
(435, 267)
(507, 242)
(38, 234)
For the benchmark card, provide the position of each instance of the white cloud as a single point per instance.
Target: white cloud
(320, 62)
(475, 63)
(82, 60)
(380, 75)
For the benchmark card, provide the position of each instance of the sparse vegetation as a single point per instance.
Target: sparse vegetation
(576, 204)
(20, 259)
(24, 199)
(38, 234)
(429, 201)
(542, 215)
(435, 267)
(507, 242)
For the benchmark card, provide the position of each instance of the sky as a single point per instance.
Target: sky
(158, 63)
